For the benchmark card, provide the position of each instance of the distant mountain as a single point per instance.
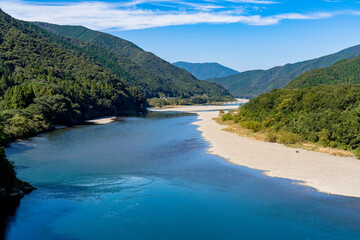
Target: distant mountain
(151, 74)
(205, 71)
(252, 83)
(343, 72)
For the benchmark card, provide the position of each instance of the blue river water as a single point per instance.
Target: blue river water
(150, 177)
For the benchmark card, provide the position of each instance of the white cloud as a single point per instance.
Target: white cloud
(332, 1)
(252, 1)
(101, 15)
(297, 16)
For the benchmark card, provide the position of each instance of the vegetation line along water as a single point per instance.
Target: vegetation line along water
(47, 80)
(326, 173)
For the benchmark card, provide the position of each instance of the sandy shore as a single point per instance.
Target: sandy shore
(193, 109)
(324, 172)
(104, 120)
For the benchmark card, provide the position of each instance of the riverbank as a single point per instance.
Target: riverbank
(326, 173)
(12, 196)
(102, 120)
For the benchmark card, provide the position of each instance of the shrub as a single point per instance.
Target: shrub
(157, 102)
(333, 144)
(267, 122)
(236, 119)
(226, 117)
(255, 126)
(271, 136)
(324, 137)
(288, 137)
(312, 136)
(357, 153)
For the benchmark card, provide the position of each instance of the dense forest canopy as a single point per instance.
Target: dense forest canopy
(250, 84)
(43, 83)
(328, 115)
(151, 74)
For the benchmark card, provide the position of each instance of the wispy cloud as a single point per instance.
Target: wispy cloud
(253, 1)
(126, 15)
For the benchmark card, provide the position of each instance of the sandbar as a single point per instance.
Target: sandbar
(324, 172)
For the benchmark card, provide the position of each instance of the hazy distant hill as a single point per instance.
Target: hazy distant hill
(253, 83)
(151, 74)
(205, 71)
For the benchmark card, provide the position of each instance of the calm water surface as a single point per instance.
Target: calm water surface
(150, 177)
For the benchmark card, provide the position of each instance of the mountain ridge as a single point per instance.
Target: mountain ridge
(251, 83)
(206, 70)
(346, 71)
(173, 81)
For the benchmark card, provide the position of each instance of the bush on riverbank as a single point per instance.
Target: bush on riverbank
(326, 115)
(161, 102)
(357, 153)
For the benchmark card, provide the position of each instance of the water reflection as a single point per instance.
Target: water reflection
(7, 213)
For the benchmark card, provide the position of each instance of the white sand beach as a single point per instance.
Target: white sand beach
(103, 120)
(324, 172)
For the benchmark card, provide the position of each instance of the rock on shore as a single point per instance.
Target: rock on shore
(16, 193)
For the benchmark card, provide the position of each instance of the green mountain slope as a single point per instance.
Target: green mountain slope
(133, 74)
(205, 71)
(157, 78)
(252, 83)
(42, 83)
(343, 72)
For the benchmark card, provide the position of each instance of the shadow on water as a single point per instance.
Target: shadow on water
(8, 208)
(7, 214)
(163, 115)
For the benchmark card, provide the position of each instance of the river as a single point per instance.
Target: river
(150, 177)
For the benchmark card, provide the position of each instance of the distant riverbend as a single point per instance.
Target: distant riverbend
(151, 177)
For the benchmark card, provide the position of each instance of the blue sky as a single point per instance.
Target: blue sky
(242, 34)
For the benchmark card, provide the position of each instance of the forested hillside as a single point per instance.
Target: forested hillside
(343, 72)
(154, 76)
(327, 115)
(320, 106)
(43, 84)
(205, 71)
(123, 67)
(252, 83)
